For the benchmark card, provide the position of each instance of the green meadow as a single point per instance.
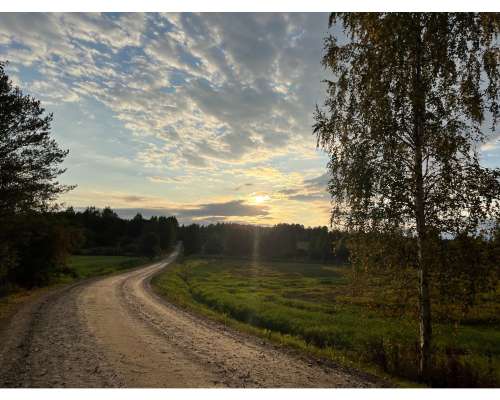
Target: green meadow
(88, 266)
(318, 309)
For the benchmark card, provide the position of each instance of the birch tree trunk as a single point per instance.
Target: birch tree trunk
(425, 326)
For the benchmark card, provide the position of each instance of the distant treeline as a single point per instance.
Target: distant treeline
(280, 242)
(103, 232)
(35, 246)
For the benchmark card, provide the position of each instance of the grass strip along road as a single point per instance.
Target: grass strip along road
(315, 308)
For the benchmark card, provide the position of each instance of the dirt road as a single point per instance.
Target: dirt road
(115, 332)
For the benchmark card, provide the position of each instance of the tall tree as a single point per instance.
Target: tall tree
(150, 245)
(167, 229)
(403, 122)
(31, 246)
(29, 158)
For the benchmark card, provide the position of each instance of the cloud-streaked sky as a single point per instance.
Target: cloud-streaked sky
(205, 116)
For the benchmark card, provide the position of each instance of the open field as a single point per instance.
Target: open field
(317, 309)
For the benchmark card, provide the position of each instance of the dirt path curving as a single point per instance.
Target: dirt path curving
(115, 332)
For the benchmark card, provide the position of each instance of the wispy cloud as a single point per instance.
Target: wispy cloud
(211, 212)
(184, 107)
(232, 87)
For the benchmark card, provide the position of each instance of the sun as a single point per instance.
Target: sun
(261, 198)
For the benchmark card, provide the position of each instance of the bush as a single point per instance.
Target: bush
(34, 248)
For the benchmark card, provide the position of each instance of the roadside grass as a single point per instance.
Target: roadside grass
(78, 267)
(315, 308)
(88, 266)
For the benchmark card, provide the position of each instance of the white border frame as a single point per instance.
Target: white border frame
(248, 6)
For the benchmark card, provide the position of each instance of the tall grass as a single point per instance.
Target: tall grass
(314, 307)
(87, 266)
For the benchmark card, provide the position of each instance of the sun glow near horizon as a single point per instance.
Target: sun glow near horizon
(261, 198)
(250, 156)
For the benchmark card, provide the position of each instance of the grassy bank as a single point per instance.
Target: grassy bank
(315, 308)
(78, 267)
(88, 266)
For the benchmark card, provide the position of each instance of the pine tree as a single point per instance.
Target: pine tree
(29, 158)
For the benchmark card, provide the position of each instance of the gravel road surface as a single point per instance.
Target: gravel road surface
(115, 332)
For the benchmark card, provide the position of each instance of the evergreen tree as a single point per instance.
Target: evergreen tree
(29, 158)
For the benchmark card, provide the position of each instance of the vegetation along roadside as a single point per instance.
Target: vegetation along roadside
(326, 311)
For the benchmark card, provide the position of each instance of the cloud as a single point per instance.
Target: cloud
(319, 183)
(290, 191)
(215, 212)
(232, 208)
(261, 172)
(491, 145)
(308, 197)
(197, 102)
(311, 190)
(194, 159)
(245, 185)
(131, 198)
(163, 179)
(213, 88)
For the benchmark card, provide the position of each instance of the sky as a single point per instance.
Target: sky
(204, 116)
